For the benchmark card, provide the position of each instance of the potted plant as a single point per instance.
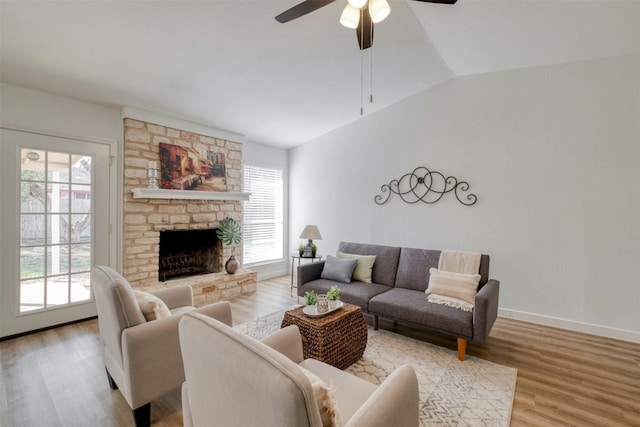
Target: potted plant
(230, 233)
(333, 295)
(314, 248)
(301, 249)
(310, 297)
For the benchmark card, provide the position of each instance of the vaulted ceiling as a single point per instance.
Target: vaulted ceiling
(230, 65)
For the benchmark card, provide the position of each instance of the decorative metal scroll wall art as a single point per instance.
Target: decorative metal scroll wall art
(423, 185)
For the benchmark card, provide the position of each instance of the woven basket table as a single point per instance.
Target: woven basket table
(338, 339)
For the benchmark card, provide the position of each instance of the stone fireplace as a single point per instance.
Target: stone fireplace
(150, 223)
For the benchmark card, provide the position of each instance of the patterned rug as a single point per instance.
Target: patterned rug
(452, 393)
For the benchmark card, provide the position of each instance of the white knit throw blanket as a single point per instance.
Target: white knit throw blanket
(455, 262)
(459, 262)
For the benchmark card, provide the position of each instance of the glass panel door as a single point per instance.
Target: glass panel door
(54, 227)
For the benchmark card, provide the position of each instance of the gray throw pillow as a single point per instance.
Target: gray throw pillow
(338, 269)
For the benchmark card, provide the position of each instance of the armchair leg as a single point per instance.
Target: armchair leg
(112, 383)
(462, 348)
(375, 322)
(142, 415)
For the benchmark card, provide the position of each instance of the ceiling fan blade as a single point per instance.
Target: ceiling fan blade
(439, 1)
(301, 9)
(365, 30)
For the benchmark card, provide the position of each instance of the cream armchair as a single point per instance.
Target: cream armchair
(235, 380)
(142, 358)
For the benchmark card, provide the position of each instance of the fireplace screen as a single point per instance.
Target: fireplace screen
(188, 253)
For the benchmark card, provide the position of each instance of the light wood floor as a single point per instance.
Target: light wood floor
(56, 377)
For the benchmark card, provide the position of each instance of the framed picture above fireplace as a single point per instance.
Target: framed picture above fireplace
(187, 169)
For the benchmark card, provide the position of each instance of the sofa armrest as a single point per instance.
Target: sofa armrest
(150, 355)
(288, 342)
(485, 311)
(220, 311)
(309, 272)
(176, 296)
(394, 403)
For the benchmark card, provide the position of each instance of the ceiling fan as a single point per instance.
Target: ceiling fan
(358, 14)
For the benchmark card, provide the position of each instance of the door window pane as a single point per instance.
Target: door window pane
(80, 258)
(32, 294)
(57, 198)
(80, 228)
(57, 259)
(57, 167)
(32, 229)
(31, 262)
(80, 287)
(57, 290)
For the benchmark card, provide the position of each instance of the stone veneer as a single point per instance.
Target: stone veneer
(145, 218)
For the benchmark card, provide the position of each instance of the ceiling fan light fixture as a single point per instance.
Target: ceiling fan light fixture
(350, 17)
(358, 4)
(379, 10)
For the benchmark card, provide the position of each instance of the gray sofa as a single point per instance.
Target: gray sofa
(400, 277)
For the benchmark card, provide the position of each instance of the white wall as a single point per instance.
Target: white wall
(40, 111)
(552, 154)
(263, 155)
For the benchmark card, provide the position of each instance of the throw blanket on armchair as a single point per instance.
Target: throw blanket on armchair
(455, 282)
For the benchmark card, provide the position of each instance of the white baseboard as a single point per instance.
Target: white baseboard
(572, 325)
(269, 271)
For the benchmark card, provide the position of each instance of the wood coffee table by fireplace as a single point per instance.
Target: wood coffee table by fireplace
(338, 338)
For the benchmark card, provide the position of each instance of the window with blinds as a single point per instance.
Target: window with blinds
(263, 215)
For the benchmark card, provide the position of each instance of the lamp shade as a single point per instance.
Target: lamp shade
(350, 16)
(311, 232)
(379, 9)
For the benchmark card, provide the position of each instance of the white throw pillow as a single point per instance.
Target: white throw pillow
(151, 306)
(453, 289)
(325, 400)
(364, 267)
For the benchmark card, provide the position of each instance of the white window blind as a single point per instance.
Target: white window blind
(263, 215)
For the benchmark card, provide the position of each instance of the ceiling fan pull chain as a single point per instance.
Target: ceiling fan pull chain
(371, 70)
(361, 67)
(361, 82)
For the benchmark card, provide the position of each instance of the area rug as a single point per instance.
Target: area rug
(452, 393)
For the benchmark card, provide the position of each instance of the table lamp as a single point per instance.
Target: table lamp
(310, 232)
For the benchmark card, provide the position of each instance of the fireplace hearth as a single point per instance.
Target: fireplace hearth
(187, 253)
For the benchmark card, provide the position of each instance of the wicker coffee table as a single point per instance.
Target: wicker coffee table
(338, 338)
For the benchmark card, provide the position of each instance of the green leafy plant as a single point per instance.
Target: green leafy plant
(310, 297)
(300, 248)
(334, 293)
(229, 231)
(314, 249)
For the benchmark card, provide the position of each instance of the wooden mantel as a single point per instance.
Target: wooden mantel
(158, 193)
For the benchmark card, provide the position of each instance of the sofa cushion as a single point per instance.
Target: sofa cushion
(456, 290)
(413, 308)
(413, 268)
(338, 269)
(386, 265)
(357, 293)
(364, 267)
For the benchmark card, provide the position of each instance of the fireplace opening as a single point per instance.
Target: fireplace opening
(188, 253)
